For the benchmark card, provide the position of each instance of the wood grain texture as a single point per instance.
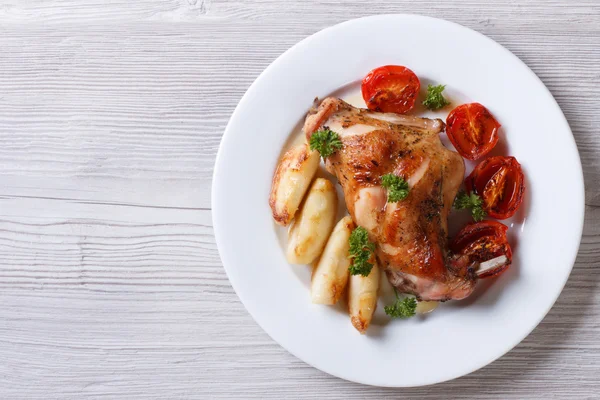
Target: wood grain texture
(111, 114)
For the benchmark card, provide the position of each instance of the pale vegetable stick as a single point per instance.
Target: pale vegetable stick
(292, 178)
(362, 298)
(330, 275)
(425, 307)
(310, 230)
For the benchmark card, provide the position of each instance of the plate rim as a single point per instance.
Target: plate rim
(579, 225)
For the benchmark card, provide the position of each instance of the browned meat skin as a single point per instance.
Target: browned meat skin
(411, 235)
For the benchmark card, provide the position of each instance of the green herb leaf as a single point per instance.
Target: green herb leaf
(471, 202)
(325, 141)
(435, 99)
(402, 308)
(360, 252)
(396, 186)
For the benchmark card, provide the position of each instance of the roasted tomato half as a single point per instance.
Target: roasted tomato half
(472, 130)
(500, 183)
(392, 88)
(484, 243)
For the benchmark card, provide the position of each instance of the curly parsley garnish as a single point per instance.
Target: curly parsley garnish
(471, 201)
(402, 308)
(435, 99)
(325, 142)
(360, 252)
(396, 186)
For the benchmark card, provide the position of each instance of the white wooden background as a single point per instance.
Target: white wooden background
(111, 114)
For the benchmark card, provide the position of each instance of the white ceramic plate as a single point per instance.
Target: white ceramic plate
(459, 337)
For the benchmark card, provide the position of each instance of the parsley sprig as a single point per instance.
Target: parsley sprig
(325, 141)
(435, 99)
(402, 308)
(464, 201)
(396, 186)
(360, 252)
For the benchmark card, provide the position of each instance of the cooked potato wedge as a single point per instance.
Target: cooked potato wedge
(310, 230)
(292, 178)
(362, 298)
(330, 275)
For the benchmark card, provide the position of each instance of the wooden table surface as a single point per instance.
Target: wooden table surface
(111, 114)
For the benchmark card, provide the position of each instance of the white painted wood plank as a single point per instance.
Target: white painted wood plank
(110, 119)
(140, 306)
(64, 11)
(68, 93)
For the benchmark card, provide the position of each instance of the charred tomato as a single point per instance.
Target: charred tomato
(500, 183)
(391, 88)
(483, 242)
(472, 130)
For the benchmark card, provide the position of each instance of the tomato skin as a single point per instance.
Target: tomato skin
(500, 182)
(391, 88)
(482, 241)
(472, 130)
